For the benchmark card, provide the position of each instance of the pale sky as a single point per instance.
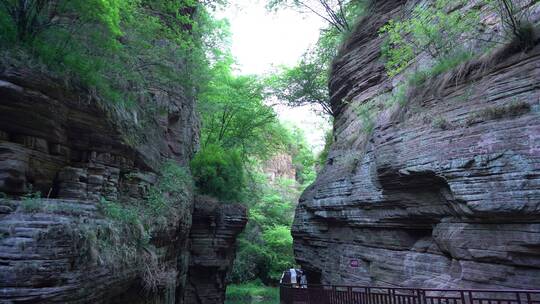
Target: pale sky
(262, 40)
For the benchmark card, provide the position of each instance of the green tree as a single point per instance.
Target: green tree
(238, 129)
(234, 114)
(303, 84)
(219, 172)
(307, 82)
(29, 18)
(266, 244)
(278, 241)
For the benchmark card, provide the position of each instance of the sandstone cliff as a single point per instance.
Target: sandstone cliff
(421, 203)
(213, 236)
(80, 153)
(280, 166)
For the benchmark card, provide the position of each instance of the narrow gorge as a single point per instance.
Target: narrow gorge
(142, 162)
(441, 190)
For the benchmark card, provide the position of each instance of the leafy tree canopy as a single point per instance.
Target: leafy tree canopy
(307, 82)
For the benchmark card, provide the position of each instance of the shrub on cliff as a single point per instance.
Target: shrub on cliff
(123, 52)
(235, 116)
(219, 172)
(125, 240)
(432, 29)
(450, 35)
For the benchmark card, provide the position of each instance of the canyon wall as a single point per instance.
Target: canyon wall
(444, 191)
(213, 235)
(64, 157)
(280, 166)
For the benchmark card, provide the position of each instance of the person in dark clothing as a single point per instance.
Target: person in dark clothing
(296, 277)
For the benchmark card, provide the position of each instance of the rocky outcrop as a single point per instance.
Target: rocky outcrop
(74, 151)
(63, 155)
(213, 247)
(444, 192)
(280, 166)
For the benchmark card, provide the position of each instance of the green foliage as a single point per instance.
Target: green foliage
(251, 262)
(123, 52)
(433, 29)
(278, 241)
(219, 172)
(32, 202)
(303, 84)
(25, 20)
(265, 248)
(123, 213)
(234, 114)
(127, 240)
(275, 206)
(172, 190)
(440, 123)
(399, 95)
(307, 82)
(441, 66)
(163, 200)
(251, 291)
(302, 156)
(238, 129)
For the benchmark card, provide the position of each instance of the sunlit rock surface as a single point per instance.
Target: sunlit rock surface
(442, 193)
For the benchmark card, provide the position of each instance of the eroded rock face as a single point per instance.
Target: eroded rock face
(213, 247)
(76, 152)
(443, 193)
(280, 167)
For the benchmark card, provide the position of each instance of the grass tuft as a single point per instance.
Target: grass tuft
(31, 202)
(440, 123)
(513, 109)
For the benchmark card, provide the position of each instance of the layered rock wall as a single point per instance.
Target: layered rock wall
(62, 154)
(445, 192)
(213, 248)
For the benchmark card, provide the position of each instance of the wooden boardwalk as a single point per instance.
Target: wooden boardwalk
(337, 294)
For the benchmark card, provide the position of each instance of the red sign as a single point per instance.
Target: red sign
(355, 263)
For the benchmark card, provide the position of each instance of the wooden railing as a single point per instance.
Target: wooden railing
(333, 294)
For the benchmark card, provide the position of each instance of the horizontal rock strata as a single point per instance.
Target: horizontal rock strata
(213, 247)
(76, 151)
(442, 193)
